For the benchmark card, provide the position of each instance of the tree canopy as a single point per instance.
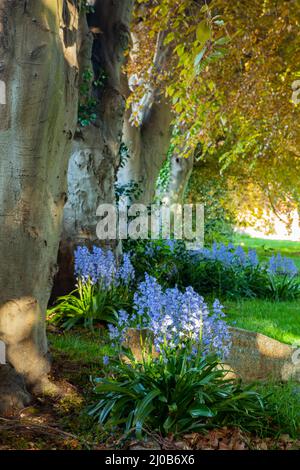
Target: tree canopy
(229, 78)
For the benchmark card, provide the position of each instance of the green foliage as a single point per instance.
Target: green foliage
(124, 155)
(131, 190)
(265, 247)
(208, 187)
(177, 395)
(90, 304)
(283, 287)
(212, 277)
(163, 179)
(166, 260)
(284, 401)
(255, 140)
(83, 346)
(172, 265)
(87, 108)
(84, 7)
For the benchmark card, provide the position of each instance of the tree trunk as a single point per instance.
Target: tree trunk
(180, 173)
(38, 64)
(95, 157)
(148, 139)
(147, 148)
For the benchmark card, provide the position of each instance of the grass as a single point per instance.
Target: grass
(279, 320)
(266, 247)
(53, 423)
(83, 346)
(285, 399)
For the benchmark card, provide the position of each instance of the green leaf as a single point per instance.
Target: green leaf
(200, 411)
(169, 38)
(199, 56)
(203, 32)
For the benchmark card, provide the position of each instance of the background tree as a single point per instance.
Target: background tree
(248, 120)
(96, 145)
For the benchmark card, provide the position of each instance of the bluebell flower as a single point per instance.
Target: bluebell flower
(279, 264)
(175, 318)
(105, 360)
(100, 266)
(229, 256)
(253, 258)
(126, 272)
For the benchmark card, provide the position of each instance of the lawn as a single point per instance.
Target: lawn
(279, 320)
(83, 346)
(267, 247)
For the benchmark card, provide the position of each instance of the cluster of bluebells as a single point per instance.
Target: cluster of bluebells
(177, 319)
(279, 264)
(229, 255)
(100, 266)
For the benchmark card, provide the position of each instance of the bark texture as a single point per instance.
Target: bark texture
(38, 63)
(95, 156)
(147, 146)
(180, 173)
(147, 142)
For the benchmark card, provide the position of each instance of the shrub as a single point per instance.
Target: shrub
(103, 288)
(166, 260)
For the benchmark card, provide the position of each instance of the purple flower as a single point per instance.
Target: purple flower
(176, 318)
(253, 258)
(125, 272)
(230, 257)
(105, 360)
(279, 264)
(100, 266)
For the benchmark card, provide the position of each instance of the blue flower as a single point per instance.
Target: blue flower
(100, 266)
(175, 318)
(279, 264)
(105, 360)
(228, 256)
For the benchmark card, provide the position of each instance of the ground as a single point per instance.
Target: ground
(77, 356)
(279, 320)
(64, 424)
(268, 247)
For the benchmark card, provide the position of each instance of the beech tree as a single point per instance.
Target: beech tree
(96, 144)
(147, 124)
(181, 34)
(38, 64)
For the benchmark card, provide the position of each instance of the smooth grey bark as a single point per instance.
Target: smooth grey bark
(180, 173)
(38, 63)
(147, 146)
(95, 156)
(149, 141)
